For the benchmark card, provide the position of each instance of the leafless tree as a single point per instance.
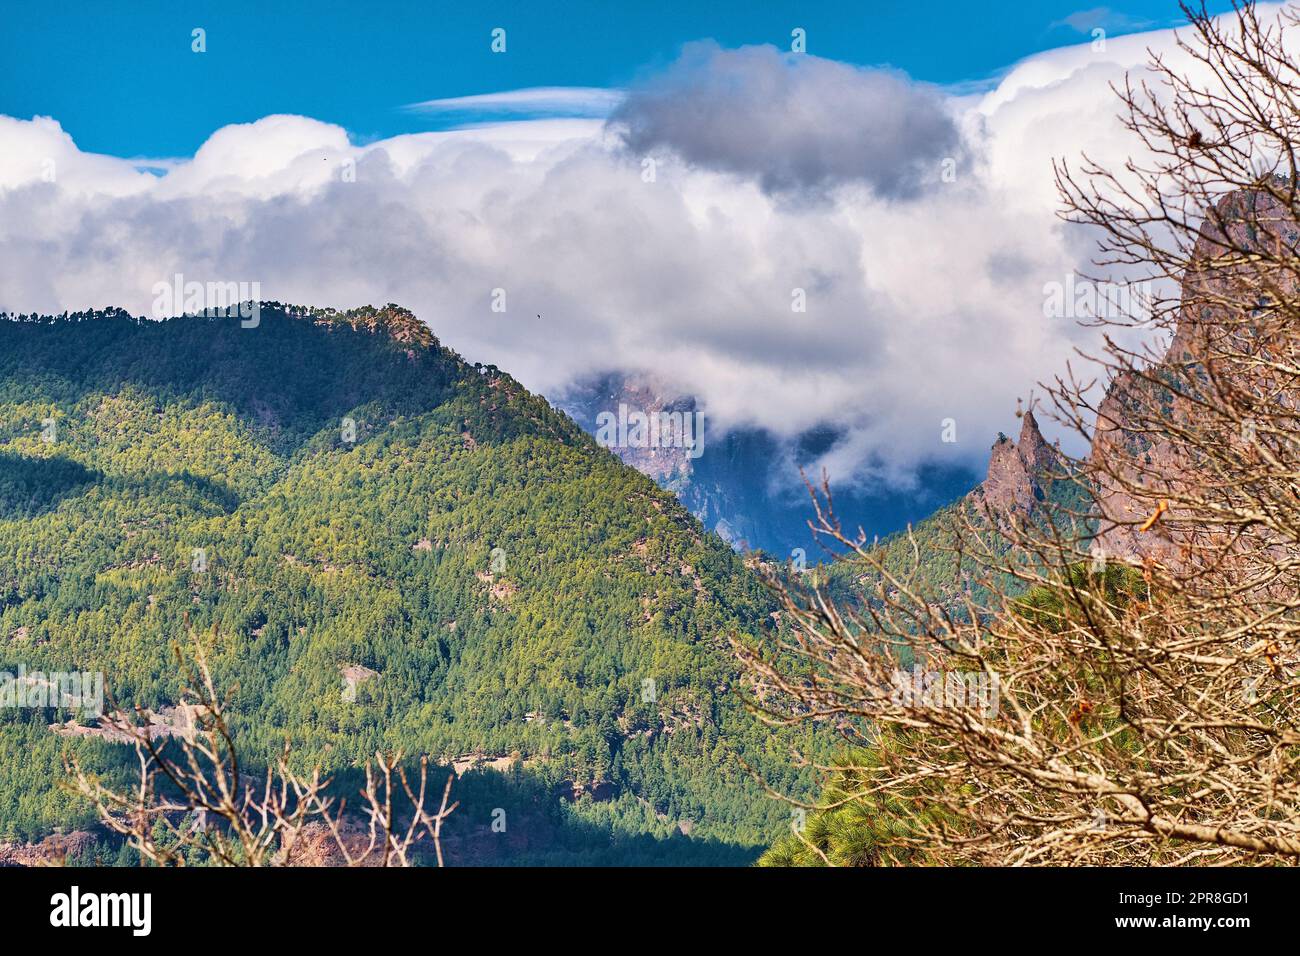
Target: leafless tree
(191, 800)
(1117, 671)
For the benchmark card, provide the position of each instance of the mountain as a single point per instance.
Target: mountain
(1223, 374)
(398, 549)
(1189, 479)
(745, 483)
(1025, 481)
(1019, 473)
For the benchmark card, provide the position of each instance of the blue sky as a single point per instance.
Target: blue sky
(920, 223)
(122, 78)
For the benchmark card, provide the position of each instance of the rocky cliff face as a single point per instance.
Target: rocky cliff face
(665, 461)
(1019, 472)
(670, 464)
(1133, 447)
(58, 849)
(745, 486)
(1139, 457)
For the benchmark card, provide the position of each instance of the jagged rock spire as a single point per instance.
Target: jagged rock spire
(1017, 469)
(1038, 456)
(1008, 484)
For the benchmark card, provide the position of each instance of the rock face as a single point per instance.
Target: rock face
(745, 486)
(181, 721)
(1039, 457)
(1132, 447)
(1018, 471)
(54, 850)
(397, 323)
(666, 462)
(1140, 458)
(717, 496)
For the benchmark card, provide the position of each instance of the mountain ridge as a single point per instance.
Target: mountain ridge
(520, 595)
(746, 484)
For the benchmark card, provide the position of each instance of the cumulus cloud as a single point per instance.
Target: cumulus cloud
(917, 311)
(40, 151)
(792, 121)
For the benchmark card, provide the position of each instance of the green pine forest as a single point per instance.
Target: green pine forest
(518, 591)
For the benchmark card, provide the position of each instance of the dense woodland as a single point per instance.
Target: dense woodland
(515, 589)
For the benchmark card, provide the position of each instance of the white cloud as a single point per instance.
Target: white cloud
(919, 309)
(797, 123)
(1085, 21)
(39, 151)
(536, 101)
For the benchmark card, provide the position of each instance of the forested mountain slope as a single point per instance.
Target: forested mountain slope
(1027, 485)
(342, 496)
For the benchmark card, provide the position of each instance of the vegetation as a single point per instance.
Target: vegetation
(1131, 700)
(337, 494)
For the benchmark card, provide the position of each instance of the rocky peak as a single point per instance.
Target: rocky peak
(1009, 484)
(399, 324)
(1038, 456)
(1018, 470)
(1125, 444)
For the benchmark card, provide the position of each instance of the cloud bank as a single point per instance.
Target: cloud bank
(923, 292)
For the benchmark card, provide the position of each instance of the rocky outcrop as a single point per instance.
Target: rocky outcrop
(1019, 472)
(664, 461)
(1134, 447)
(1040, 458)
(55, 850)
(669, 464)
(399, 324)
(179, 722)
(1008, 485)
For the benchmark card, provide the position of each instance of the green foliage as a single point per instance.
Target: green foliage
(594, 649)
(927, 554)
(853, 826)
(31, 757)
(1053, 607)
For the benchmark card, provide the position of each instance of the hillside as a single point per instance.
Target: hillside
(1026, 483)
(399, 549)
